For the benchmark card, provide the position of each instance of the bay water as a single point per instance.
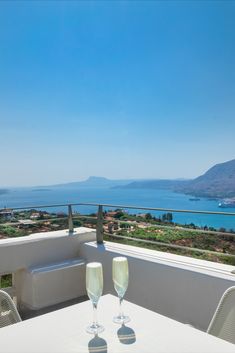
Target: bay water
(128, 197)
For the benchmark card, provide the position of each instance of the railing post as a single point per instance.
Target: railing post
(99, 226)
(14, 292)
(70, 219)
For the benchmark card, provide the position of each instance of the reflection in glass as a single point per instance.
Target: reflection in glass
(94, 287)
(120, 280)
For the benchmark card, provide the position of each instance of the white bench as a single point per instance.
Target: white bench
(53, 283)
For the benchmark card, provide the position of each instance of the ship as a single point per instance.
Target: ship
(227, 203)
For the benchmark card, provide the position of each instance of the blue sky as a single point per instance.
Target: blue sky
(117, 89)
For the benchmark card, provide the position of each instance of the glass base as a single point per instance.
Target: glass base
(95, 329)
(121, 319)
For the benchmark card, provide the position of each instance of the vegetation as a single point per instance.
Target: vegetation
(10, 231)
(230, 260)
(183, 237)
(6, 281)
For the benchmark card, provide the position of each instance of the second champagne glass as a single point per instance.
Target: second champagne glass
(120, 280)
(94, 287)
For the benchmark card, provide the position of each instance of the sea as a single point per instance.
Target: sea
(24, 197)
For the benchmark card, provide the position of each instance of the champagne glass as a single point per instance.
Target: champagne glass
(94, 287)
(120, 279)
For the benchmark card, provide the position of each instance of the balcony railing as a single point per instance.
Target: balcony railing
(100, 221)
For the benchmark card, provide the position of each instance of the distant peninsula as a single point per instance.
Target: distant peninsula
(3, 191)
(97, 182)
(40, 190)
(168, 184)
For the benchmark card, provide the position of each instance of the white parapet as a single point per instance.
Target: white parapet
(41, 248)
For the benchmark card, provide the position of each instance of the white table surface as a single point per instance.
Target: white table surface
(64, 331)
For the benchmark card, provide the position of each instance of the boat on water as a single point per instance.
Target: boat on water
(194, 199)
(227, 203)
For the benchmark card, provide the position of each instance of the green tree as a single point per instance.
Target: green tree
(148, 216)
(119, 214)
(167, 217)
(125, 225)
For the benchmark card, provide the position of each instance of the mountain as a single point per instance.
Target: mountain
(92, 182)
(218, 182)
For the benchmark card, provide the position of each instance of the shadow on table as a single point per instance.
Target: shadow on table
(97, 345)
(126, 335)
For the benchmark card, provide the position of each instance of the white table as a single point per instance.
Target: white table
(64, 331)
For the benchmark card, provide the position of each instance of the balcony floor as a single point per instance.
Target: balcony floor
(26, 314)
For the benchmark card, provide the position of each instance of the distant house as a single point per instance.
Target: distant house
(143, 215)
(111, 213)
(6, 214)
(61, 214)
(26, 223)
(35, 215)
(110, 227)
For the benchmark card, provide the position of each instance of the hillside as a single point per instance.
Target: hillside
(218, 181)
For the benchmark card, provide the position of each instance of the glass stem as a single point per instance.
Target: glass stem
(95, 321)
(120, 307)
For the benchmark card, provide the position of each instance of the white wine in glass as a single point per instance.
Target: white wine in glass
(120, 280)
(94, 287)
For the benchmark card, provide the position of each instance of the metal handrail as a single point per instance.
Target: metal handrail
(124, 206)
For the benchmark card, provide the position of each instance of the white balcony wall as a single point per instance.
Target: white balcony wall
(183, 288)
(41, 248)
